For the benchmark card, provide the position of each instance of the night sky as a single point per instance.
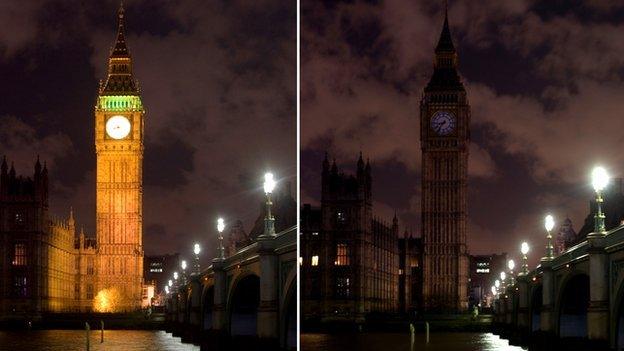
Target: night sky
(545, 80)
(218, 83)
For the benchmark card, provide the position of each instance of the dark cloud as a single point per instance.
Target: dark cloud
(218, 83)
(544, 80)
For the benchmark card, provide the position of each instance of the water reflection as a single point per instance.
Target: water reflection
(397, 341)
(74, 340)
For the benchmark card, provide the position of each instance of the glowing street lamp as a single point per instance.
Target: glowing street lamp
(524, 249)
(497, 284)
(269, 221)
(196, 251)
(502, 277)
(175, 275)
(511, 265)
(600, 179)
(170, 283)
(183, 266)
(166, 289)
(549, 224)
(220, 228)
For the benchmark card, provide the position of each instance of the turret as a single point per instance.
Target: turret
(4, 177)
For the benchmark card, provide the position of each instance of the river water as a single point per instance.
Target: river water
(403, 342)
(70, 340)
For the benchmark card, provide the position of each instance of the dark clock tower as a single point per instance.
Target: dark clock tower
(444, 135)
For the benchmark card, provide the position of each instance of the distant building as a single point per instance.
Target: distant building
(350, 259)
(566, 237)
(159, 269)
(484, 270)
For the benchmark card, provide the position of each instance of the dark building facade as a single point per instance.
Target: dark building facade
(350, 261)
(410, 273)
(444, 139)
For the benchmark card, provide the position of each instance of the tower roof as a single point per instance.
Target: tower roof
(120, 49)
(120, 80)
(445, 43)
(445, 75)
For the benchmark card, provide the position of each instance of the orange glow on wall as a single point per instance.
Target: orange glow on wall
(107, 301)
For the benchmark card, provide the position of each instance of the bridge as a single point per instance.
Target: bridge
(245, 300)
(576, 297)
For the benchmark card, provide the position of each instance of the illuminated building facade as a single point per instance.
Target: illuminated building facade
(350, 260)
(119, 117)
(46, 265)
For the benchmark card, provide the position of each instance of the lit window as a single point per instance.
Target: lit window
(342, 255)
(89, 291)
(483, 270)
(315, 260)
(19, 286)
(341, 217)
(314, 233)
(400, 271)
(300, 260)
(19, 254)
(90, 269)
(343, 287)
(19, 218)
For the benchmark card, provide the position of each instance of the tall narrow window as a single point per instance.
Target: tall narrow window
(19, 286)
(342, 255)
(315, 260)
(19, 254)
(89, 291)
(343, 287)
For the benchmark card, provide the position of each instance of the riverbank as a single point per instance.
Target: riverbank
(69, 321)
(389, 323)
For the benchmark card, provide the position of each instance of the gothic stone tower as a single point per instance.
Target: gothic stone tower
(444, 135)
(119, 118)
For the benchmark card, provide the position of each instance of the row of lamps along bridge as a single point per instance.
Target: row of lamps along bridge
(176, 279)
(600, 179)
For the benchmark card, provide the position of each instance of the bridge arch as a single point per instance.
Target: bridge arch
(207, 307)
(617, 318)
(288, 315)
(572, 304)
(535, 308)
(243, 303)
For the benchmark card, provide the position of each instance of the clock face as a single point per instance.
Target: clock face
(443, 123)
(118, 127)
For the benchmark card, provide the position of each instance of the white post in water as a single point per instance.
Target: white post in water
(102, 334)
(427, 332)
(87, 328)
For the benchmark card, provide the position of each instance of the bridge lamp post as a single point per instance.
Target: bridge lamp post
(549, 224)
(196, 251)
(183, 266)
(220, 228)
(502, 277)
(269, 220)
(524, 249)
(600, 179)
(497, 285)
(511, 265)
(175, 280)
(166, 289)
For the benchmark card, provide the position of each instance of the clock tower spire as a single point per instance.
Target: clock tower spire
(444, 139)
(119, 126)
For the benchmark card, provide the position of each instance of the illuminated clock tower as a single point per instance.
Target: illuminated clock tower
(444, 135)
(119, 118)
